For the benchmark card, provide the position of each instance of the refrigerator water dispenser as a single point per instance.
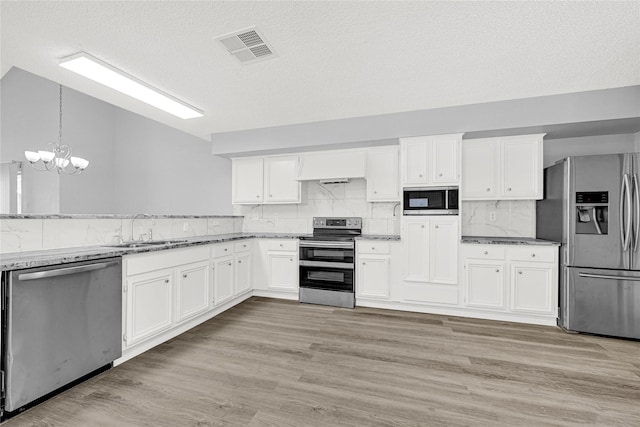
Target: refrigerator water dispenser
(592, 212)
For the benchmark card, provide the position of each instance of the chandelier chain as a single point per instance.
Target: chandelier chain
(60, 122)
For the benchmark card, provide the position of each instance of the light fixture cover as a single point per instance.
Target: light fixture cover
(103, 73)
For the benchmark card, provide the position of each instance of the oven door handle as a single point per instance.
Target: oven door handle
(316, 244)
(341, 265)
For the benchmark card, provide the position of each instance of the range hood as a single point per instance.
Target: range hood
(332, 167)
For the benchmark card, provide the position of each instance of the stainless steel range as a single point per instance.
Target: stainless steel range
(327, 262)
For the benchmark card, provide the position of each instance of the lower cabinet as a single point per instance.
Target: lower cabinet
(522, 280)
(149, 305)
(223, 280)
(373, 270)
(282, 265)
(242, 272)
(192, 290)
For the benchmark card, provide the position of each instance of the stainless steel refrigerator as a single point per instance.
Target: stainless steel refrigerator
(592, 206)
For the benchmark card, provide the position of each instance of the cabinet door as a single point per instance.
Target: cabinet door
(247, 181)
(223, 286)
(149, 301)
(243, 273)
(283, 271)
(445, 160)
(372, 277)
(382, 175)
(522, 166)
(443, 241)
(531, 288)
(415, 241)
(414, 152)
(485, 284)
(281, 185)
(192, 290)
(480, 165)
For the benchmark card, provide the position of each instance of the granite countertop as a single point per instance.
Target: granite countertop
(107, 216)
(486, 240)
(378, 237)
(41, 258)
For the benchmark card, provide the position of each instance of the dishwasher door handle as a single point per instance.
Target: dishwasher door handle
(65, 271)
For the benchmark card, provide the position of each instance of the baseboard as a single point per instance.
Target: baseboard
(458, 312)
(275, 294)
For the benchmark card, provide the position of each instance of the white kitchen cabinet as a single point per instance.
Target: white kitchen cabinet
(382, 174)
(280, 180)
(332, 164)
(149, 305)
(516, 280)
(192, 290)
(443, 251)
(480, 163)
(430, 160)
(373, 261)
(223, 284)
(532, 286)
(247, 180)
(265, 180)
(506, 168)
(430, 246)
(485, 284)
(242, 273)
(283, 271)
(416, 248)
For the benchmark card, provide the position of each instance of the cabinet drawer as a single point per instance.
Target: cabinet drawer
(371, 247)
(243, 246)
(483, 251)
(282, 245)
(533, 253)
(222, 249)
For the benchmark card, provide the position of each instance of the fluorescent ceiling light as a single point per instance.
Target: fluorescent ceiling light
(95, 69)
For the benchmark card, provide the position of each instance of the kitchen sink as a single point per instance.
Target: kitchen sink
(140, 244)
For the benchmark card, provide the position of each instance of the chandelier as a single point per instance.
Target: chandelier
(58, 158)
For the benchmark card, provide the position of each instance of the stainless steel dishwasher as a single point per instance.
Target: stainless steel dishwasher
(60, 324)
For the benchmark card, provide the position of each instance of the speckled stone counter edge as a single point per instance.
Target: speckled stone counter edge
(482, 240)
(105, 216)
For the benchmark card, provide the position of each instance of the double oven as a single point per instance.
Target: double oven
(327, 262)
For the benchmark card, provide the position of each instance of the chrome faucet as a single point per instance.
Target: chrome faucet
(394, 208)
(150, 232)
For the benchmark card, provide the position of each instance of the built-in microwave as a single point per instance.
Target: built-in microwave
(430, 201)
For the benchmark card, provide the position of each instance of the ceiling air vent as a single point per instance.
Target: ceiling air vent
(247, 45)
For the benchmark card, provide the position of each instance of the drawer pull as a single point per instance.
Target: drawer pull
(497, 270)
(229, 263)
(533, 255)
(364, 263)
(437, 226)
(239, 261)
(184, 276)
(519, 272)
(439, 174)
(488, 189)
(290, 259)
(486, 252)
(226, 249)
(166, 280)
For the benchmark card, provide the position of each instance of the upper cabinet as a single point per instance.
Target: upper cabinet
(430, 160)
(247, 181)
(382, 174)
(506, 168)
(258, 180)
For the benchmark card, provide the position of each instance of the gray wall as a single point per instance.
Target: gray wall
(166, 171)
(556, 149)
(136, 164)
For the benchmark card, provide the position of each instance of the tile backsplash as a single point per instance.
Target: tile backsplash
(318, 199)
(499, 218)
(18, 235)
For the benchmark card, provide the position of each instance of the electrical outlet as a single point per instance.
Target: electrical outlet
(255, 217)
(185, 226)
(215, 222)
(492, 216)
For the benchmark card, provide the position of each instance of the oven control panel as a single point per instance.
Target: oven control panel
(323, 222)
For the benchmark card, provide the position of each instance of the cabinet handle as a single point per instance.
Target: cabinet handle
(375, 192)
(244, 246)
(281, 245)
(239, 261)
(166, 280)
(422, 226)
(229, 263)
(184, 276)
(508, 189)
(257, 197)
(270, 195)
(437, 226)
(488, 189)
(533, 255)
(364, 263)
(497, 270)
(439, 174)
(290, 259)
(420, 175)
(226, 249)
(519, 272)
(486, 252)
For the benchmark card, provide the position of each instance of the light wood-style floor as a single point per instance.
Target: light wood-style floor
(271, 362)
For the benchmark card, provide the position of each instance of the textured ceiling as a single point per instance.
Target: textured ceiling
(335, 59)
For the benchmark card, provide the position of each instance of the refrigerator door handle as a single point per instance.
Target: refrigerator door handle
(636, 196)
(625, 199)
(607, 277)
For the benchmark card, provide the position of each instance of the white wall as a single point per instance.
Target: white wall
(556, 149)
(166, 171)
(636, 138)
